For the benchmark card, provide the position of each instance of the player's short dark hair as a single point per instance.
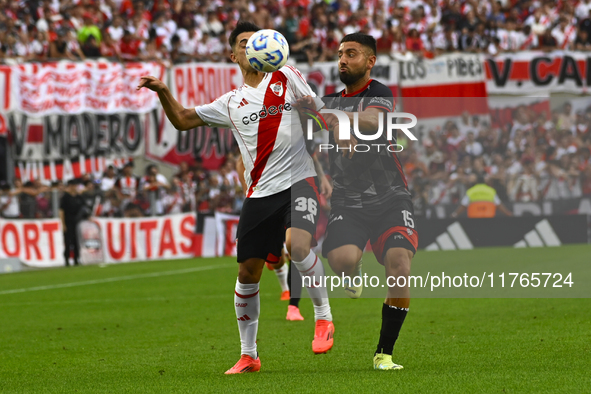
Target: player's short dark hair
(242, 27)
(363, 39)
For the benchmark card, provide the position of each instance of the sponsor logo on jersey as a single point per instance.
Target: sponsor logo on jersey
(264, 112)
(243, 103)
(277, 88)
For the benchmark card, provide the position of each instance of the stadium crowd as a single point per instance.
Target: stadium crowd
(197, 30)
(120, 193)
(532, 158)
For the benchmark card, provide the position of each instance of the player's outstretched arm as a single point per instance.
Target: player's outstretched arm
(181, 118)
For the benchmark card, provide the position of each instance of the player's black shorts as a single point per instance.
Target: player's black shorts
(391, 227)
(263, 221)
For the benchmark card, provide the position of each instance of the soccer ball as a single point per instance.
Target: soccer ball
(267, 50)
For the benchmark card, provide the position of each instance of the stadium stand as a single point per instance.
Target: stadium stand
(533, 158)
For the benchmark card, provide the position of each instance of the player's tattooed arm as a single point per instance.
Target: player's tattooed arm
(181, 118)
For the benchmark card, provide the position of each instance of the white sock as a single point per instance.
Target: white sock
(282, 277)
(312, 267)
(248, 307)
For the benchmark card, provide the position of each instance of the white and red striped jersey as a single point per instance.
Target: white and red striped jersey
(566, 37)
(128, 186)
(267, 129)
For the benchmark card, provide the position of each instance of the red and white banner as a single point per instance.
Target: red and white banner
(55, 137)
(457, 77)
(37, 243)
(72, 88)
(150, 238)
(192, 85)
(66, 169)
(6, 89)
(535, 72)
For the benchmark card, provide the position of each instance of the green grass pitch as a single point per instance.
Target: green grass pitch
(169, 327)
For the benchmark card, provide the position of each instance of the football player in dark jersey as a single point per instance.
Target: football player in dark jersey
(370, 199)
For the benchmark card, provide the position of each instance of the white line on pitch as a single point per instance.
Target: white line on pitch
(118, 279)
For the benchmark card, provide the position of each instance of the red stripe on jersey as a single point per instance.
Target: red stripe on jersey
(399, 167)
(379, 107)
(312, 183)
(268, 128)
(296, 71)
(357, 91)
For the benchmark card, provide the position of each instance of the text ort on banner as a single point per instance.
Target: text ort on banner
(37, 243)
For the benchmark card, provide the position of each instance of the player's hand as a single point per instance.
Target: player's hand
(304, 102)
(151, 83)
(347, 146)
(325, 187)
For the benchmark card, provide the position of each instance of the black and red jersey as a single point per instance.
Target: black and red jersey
(373, 178)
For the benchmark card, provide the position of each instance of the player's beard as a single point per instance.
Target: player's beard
(350, 77)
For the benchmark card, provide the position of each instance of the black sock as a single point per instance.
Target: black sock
(392, 319)
(294, 281)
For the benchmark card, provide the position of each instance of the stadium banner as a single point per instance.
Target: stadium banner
(194, 84)
(519, 232)
(54, 137)
(40, 89)
(147, 238)
(36, 243)
(64, 169)
(533, 72)
(323, 77)
(6, 88)
(444, 87)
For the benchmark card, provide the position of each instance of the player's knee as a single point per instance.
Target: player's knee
(342, 263)
(299, 252)
(397, 262)
(250, 272)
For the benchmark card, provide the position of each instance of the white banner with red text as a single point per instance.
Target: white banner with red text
(535, 72)
(443, 87)
(37, 243)
(148, 238)
(104, 87)
(40, 243)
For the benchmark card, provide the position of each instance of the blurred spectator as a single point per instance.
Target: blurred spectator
(9, 202)
(127, 185)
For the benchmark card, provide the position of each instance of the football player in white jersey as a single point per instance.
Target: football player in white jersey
(282, 195)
